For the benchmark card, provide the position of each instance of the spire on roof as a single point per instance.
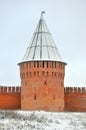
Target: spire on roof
(42, 46)
(43, 12)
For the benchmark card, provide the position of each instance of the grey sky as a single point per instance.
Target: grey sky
(66, 20)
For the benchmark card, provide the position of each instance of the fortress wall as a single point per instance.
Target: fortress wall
(10, 97)
(75, 99)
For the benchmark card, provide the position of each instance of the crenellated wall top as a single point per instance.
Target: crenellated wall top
(75, 89)
(10, 89)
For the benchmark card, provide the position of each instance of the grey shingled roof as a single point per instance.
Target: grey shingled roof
(42, 46)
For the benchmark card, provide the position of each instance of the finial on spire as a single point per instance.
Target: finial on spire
(42, 12)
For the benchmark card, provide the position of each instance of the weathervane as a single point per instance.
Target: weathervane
(42, 12)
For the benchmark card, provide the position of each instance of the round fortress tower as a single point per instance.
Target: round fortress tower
(42, 73)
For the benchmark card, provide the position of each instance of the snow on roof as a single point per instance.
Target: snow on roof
(42, 46)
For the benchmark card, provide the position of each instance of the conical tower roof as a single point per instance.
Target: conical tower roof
(42, 46)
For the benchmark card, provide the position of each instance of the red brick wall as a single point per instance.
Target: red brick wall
(44, 97)
(75, 99)
(42, 85)
(10, 98)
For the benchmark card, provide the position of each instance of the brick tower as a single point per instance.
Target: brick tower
(42, 73)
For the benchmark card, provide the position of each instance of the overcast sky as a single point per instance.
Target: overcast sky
(66, 20)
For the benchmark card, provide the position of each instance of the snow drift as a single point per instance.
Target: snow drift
(40, 120)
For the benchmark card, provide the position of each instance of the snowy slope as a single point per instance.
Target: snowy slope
(40, 120)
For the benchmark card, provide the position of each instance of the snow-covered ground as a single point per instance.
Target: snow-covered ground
(40, 120)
